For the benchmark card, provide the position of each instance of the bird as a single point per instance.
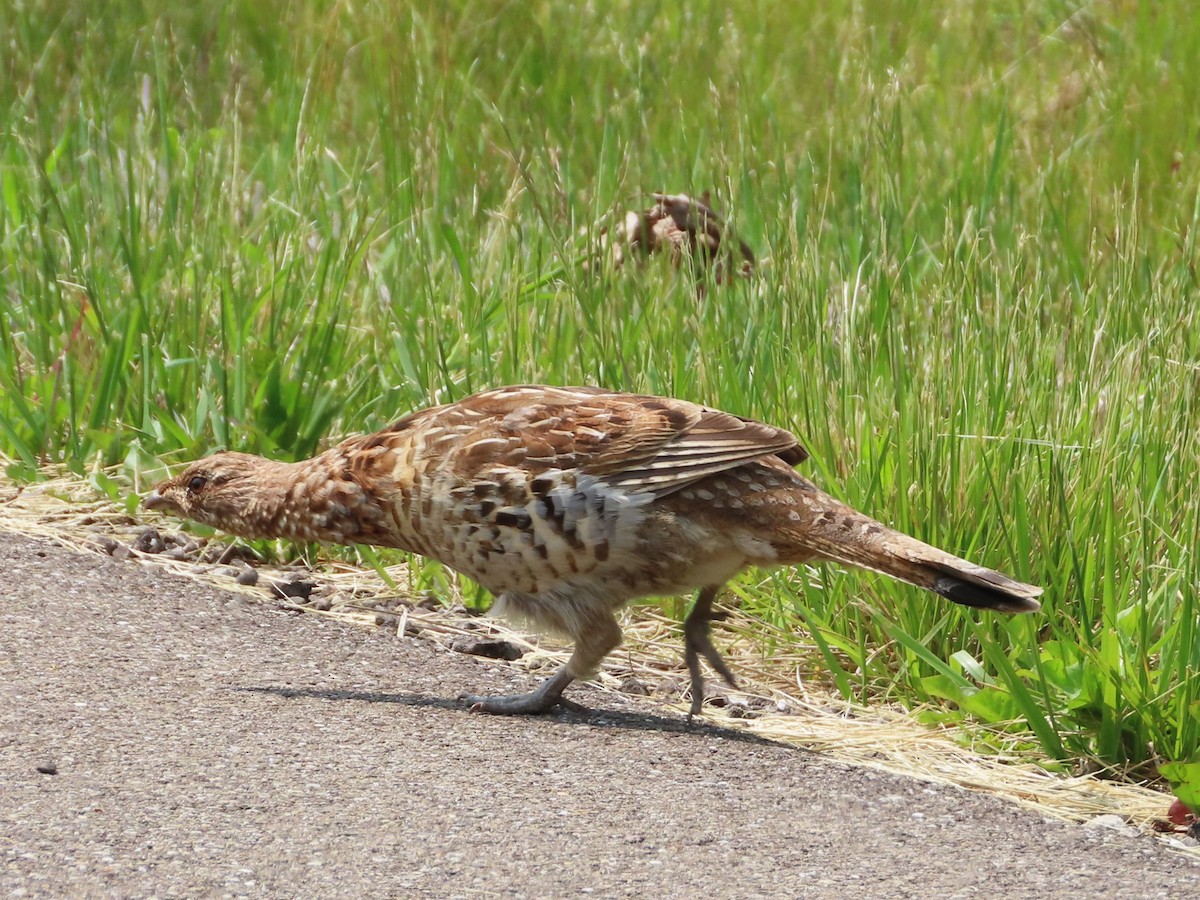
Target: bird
(566, 503)
(687, 229)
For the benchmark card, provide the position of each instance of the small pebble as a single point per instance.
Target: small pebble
(248, 576)
(121, 552)
(668, 687)
(490, 648)
(1111, 821)
(48, 768)
(104, 543)
(150, 541)
(292, 589)
(741, 712)
(227, 553)
(635, 686)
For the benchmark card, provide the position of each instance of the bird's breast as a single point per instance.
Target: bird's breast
(517, 530)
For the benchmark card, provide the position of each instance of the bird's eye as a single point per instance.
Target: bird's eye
(197, 483)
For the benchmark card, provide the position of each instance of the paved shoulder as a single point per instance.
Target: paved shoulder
(203, 744)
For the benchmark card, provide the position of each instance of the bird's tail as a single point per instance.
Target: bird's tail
(843, 535)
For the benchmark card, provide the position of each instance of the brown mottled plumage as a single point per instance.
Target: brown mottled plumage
(568, 502)
(687, 229)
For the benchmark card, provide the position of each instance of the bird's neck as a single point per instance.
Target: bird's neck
(326, 498)
(319, 500)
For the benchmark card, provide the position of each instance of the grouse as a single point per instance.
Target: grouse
(566, 503)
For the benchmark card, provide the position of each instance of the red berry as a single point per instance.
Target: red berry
(1179, 814)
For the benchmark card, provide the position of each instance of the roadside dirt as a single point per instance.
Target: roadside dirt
(162, 738)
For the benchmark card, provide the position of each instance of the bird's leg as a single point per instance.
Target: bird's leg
(595, 637)
(696, 642)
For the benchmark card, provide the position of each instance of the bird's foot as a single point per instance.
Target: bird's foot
(697, 687)
(519, 704)
(542, 700)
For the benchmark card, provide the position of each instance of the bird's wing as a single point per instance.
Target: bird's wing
(638, 442)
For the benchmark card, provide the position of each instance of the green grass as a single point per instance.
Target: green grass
(263, 228)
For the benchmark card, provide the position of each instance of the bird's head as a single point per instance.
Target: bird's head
(231, 491)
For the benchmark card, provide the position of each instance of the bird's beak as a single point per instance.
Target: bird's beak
(155, 500)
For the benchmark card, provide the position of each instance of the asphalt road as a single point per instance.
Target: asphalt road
(204, 744)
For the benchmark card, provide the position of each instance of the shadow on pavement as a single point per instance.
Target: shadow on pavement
(600, 718)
